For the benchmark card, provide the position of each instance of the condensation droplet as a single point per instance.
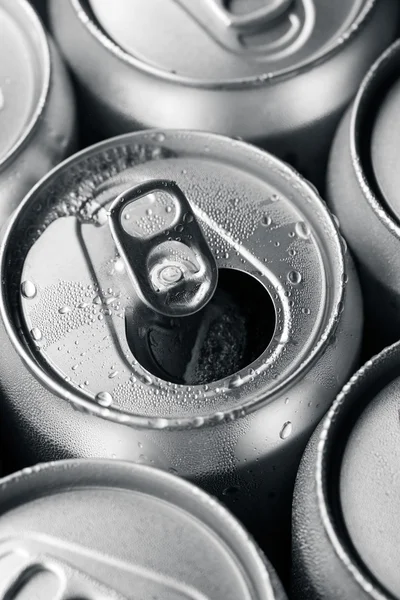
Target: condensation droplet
(266, 220)
(286, 430)
(36, 334)
(294, 277)
(231, 490)
(28, 289)
(235, 382)
(158, 137)
(112, 374)
(64, 310)
(302, 230)
(104, 399)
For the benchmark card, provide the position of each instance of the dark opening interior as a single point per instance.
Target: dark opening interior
(228, 334)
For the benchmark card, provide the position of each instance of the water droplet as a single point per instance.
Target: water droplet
(158, 137)
(112, 374)
(64, 310)
(235, 382)
(36, 334)
(173, 471)
(286, 430)
(168, 209)
(1, 99)
(266, 220)
(305, 311)
(83, 305)
(97, 300)
(28, 289)
(302, 230)
(104, 399)
(149, 212)
(75, 367)
(294, 277)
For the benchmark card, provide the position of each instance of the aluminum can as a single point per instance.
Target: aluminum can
(278, 74)
(346, 513)
(132, 532)
(37, 114)
(192, 294)
(362, 191)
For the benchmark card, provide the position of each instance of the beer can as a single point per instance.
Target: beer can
(362, 190)
(37, 114)
(278, 74)
(114, 530)
(193, 296)
(346, 530)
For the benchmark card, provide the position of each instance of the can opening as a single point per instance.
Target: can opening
(224, 337)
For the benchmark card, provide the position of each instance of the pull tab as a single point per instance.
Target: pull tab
(166, 255)
(261, 17)
(276, 27)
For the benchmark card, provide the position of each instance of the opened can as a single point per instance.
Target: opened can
(278, 74)
(192, 295)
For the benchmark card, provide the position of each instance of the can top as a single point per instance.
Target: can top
(73, 299)
(115, 530)
(359, 454)
(216, 41)
(385, 144)
(24, 74)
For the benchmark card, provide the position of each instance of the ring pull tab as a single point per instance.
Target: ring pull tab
(255, 19)
(166, 255)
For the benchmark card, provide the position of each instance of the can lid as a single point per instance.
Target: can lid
(369, 477)
(385, 147)
(218, 41)
(81, 324)
(115, 530)
(24, 73)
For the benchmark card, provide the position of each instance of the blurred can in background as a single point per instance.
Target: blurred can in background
(37, 113)
(278, 74)
(193, 294)
(363, 191)
(346, 515)
(132, 532)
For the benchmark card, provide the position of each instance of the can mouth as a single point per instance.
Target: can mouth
(354, 22)
(332, 441)
(22, 106)
(376, 84)
(227, 335)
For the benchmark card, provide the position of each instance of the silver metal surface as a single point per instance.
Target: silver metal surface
(358, 196)
(345, 515)
(240, 435)
(131, 532)
(37, 115)
(185, 64)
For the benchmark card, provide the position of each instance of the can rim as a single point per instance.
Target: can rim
(84, 400)
(44, 93)
(331, 424)
(371, 195)
(253, 81)
(174, 489)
